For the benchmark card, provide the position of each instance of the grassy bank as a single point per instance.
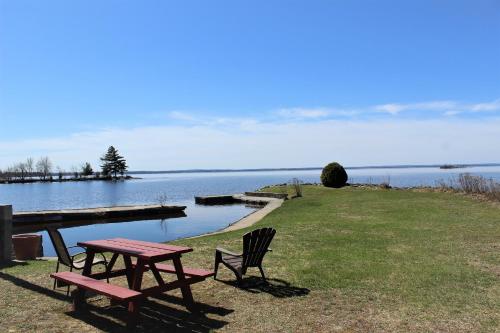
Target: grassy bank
(343, 260)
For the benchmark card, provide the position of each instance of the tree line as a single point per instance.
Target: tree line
(113, 165)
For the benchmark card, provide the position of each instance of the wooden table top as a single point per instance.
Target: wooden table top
(134, 248)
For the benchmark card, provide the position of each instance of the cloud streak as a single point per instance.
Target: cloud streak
(271, 144)
(287, 137)
(447, 108)
(438, 108)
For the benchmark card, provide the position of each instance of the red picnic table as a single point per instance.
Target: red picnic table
(148, 256)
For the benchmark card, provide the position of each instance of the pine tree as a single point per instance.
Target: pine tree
(87, 170)
(113, 163)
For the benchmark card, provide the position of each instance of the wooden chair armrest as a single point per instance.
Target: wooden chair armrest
(103, 257)
(76, 255)
(220, 249)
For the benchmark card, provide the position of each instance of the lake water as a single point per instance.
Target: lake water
(180, 189)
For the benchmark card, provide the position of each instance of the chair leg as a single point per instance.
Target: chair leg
(239, 279)
(57, 270)
(262, 273)
(218, 260)
(67, 290)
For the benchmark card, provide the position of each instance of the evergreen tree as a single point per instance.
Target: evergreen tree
(113, 163)
(87, 169)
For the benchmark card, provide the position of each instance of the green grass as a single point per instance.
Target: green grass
(422, 249)
(373, 260)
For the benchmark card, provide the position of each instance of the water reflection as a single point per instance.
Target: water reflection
(199, 220)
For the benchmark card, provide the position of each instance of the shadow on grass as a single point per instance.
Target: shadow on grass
(12, 263)
(154, 316)
(275, 287)
(201, 307)
(33, 287)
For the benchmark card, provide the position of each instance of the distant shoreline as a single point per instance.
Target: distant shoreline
(408, 166)
(64, 180)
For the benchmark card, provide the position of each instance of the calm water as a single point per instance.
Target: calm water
(181, 189)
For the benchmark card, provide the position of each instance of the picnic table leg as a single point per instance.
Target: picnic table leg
(185, 289)
(79, 294)
(133, 307)
(111, 263)
(156, 274)
(130, 270)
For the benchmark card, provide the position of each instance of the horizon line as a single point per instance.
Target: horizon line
(402, 166)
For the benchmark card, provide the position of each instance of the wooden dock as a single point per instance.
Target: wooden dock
(74, 217)
(257, 198)
(252, 198)
(216, 200)
(283, 196)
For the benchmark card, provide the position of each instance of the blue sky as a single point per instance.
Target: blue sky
(235, 84)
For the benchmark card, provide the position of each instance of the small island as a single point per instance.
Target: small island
(113, 167)
(452, 166)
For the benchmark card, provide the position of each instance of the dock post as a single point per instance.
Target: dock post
(5, 233)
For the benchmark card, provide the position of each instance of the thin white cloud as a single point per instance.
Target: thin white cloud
(273, 144)
(452, 113)
(304, 112)
(393, 109)
(287, 137)
(229, 122)
(445, 107)
(434, 105)
(440, 108)
(179, 115)
(492, 106)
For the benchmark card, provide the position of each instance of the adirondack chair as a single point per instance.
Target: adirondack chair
(64, 257)
(255, 247)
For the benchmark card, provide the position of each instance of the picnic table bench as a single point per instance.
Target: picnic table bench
(147, 258)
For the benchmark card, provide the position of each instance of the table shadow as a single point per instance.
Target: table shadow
(154, 316)
(275, 287)
(33, 287)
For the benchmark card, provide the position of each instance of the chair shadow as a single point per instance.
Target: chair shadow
(154, 317)
(275, 287)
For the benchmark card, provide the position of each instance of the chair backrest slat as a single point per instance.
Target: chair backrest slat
(255, 245)
(59, 246)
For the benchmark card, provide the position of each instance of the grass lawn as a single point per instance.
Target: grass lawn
(351, 259)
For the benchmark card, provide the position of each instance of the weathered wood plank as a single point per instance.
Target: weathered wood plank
(100, 287)
(97, 213)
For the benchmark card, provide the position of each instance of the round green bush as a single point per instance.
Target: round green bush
(333, 175)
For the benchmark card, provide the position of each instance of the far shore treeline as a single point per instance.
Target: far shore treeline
(114, 166)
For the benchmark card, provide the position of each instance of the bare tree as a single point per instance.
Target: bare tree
(44, 167)
(75, 171)
(21, 170)
(60, 172)
(10, 173)
(30, 166)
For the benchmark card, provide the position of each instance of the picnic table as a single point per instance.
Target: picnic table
(147, 257)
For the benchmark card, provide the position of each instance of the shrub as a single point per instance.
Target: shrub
(296, 185)
(333, 175)
(162, 199)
